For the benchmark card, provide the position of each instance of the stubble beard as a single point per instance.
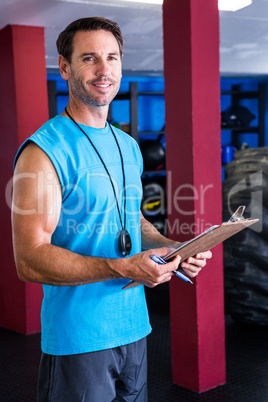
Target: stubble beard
(82, 94)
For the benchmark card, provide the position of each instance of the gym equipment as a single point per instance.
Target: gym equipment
(246, 253)
(154, 154)
(154, 195)
(236, 116)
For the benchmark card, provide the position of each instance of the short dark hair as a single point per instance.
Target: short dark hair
(65, 39)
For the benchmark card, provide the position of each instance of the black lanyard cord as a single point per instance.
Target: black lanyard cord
(107, 171)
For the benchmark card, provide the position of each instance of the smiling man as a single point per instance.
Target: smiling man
(94, 76)
(78, 230)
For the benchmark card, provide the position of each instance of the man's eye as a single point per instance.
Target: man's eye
(88, 58)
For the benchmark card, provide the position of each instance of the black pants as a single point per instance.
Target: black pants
(118, 374)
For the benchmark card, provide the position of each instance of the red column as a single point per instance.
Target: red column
(192, 94)
(24, 108)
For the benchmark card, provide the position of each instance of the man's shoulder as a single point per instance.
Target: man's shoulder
(54, 125)
(53, 133)
(47, 137)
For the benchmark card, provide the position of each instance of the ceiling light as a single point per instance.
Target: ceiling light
(223, 5)
(233, 5)
(146, 1)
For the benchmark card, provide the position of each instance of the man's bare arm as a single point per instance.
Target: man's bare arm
(35, 214)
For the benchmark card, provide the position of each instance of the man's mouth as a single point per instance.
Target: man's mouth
(102, 85)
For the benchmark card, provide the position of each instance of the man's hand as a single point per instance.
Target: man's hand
(193, 265)
(151, 238)
(141, 268)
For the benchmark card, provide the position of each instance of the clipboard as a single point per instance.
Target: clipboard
(208, 239)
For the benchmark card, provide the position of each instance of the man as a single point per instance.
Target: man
(78, 230)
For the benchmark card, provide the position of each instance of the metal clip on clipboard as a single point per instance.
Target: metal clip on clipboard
(238, 214)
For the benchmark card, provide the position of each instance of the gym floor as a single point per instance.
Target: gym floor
(246, 358)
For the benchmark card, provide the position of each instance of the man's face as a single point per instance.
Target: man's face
(96, 68)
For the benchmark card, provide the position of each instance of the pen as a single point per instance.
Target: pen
(160, 260)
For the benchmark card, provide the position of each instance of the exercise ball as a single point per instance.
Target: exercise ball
(154, 155)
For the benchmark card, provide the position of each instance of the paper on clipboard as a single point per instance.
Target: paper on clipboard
(206, 241)
(209, 239)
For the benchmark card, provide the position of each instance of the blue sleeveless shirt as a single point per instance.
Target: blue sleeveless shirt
(85, 318)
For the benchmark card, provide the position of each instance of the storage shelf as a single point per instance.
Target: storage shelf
(236, 96)
(147, 172)
(242, 94)
(250, 129)
(150, 132)
(150, 93)
(153, 214)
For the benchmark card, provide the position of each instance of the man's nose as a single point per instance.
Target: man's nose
(103, 69)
